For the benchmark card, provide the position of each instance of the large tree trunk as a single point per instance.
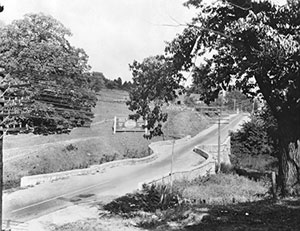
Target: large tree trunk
(288, 123)
(289, 168)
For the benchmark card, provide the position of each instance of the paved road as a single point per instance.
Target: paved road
(26, 204)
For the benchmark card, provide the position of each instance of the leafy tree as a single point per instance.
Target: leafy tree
(253, 138)
(257, 48)
(42, 81)
(118, 82)
(96, 81)
(35, 50)
(155, 80)
(111, 84)
(127, 86)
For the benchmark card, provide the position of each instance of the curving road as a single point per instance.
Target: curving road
(26, 204)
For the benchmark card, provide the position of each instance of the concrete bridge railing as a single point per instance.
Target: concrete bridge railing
(210, 153)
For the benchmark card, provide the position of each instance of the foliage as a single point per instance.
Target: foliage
(255, 145)
(148, 199)
(254, 47)
(36, 47)
(189, 101)
(155, 81)
(96, 81)
(56, 98)
(252, 139)
(217, 192)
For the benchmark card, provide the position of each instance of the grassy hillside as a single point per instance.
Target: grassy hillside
(31, 154)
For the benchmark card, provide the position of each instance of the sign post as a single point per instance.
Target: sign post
(172, 158)
(218, 111)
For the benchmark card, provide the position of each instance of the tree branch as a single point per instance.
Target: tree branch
(240, 7)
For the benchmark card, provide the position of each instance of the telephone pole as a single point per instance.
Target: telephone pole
(1, 152)
(1, 162)
(219, 140)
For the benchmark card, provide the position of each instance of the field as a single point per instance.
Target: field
(30, 154)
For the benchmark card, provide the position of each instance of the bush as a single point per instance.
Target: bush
(70, 148)
(253, 146)
(149, 199)
(252, 139)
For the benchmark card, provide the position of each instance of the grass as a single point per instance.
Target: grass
(184, 122)
(222, 189)
(86, 146)
(196, 199)
(258, 162)
(79, 149)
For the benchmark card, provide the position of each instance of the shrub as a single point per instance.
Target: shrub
(254, 146)
(70, 148)
(149, 199)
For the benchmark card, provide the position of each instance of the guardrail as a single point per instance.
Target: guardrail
(209, 152)
(207, 167)
(93, 169)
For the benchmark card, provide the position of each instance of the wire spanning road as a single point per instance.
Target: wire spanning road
(26, 204)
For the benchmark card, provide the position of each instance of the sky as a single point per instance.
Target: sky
(113, 33)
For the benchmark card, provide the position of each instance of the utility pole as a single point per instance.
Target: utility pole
(218, 121)
(172, 158)
(1, 152)
(172, 161)
(1, 162)
(219, 140)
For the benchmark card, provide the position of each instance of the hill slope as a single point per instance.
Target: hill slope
(31, 154)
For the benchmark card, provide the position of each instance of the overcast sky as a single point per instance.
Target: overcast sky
(112, 32)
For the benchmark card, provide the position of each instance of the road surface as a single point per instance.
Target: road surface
(26, 204)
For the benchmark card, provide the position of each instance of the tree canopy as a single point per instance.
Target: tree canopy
(35, 51)
(255, 48)
(154, 80)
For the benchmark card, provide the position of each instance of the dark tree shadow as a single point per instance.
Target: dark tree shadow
(261, 215)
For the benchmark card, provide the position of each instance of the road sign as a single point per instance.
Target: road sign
(124, 124)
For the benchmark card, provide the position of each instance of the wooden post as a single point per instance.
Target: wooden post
(115, 125)
(172, 159)
(274, 185)
(1, 163)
